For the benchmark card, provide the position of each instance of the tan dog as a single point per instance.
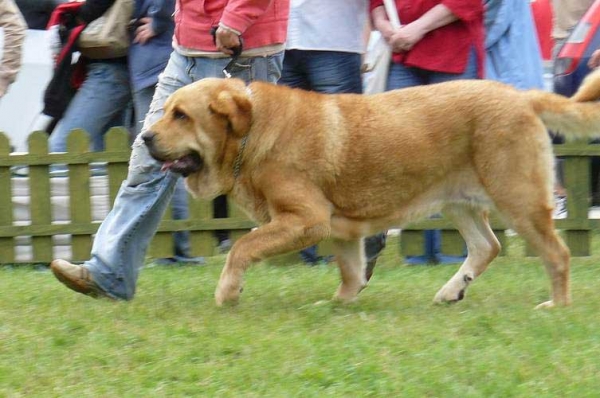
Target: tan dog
(308, 166)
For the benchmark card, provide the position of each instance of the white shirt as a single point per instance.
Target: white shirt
(327, 25)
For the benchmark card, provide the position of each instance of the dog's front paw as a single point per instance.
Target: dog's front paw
(453, 291)
(446, 297)
(343, 300)
(347, 294)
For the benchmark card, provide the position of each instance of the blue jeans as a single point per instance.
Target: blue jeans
(120, 245)
(401, 76)
(97, 105)
(142, 99)
(328, 72)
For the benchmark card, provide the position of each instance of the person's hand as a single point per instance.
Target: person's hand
(226, 40)
(594, 61)
(144, 32)
(406, 37)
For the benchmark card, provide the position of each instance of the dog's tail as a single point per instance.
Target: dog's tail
(578, 116)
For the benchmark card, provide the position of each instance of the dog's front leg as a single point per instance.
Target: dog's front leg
(282, 235)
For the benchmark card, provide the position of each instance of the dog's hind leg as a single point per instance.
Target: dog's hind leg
(351, 261)
(482, 246)
(537, 228)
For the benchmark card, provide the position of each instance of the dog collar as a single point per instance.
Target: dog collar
(237, 164)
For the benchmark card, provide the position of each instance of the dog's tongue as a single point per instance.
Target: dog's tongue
(166, 165)
(185, 165)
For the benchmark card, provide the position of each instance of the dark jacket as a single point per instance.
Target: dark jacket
(37, 12)
(147, 61)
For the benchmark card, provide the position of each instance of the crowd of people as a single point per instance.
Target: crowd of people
(308, 44)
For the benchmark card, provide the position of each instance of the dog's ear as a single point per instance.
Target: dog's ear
(237, 108)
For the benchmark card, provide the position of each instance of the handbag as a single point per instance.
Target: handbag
(108, 36)
(379, 55)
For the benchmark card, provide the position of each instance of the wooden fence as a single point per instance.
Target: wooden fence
(42, 229)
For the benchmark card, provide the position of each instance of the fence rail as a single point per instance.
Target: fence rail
(32, 230)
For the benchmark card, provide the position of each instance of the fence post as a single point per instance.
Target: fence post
(7, 244)
(39, 196)
(411, 242)
(237, 213)
(202, 242)
(453, 243)
(162, 243)
(116, 140)
(78, 142)
(577, 175)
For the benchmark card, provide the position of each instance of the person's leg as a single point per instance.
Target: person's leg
(121, 242)
(179, 202)
(102, 97)
(560, 193)
(401, 76)
(221, 210)
(293, 73)
(141, 104)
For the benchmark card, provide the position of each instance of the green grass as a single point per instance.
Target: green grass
(286, 339)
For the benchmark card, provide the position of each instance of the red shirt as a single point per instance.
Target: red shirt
(261, 22)
(445, 49)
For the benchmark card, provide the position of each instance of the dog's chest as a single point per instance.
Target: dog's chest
(254, 205)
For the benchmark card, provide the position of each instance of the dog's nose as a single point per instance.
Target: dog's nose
(148, 138)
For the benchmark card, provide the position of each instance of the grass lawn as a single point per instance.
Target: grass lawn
(286, 339)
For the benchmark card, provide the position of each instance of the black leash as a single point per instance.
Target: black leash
(237, 51)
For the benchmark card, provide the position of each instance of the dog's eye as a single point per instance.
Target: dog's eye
(178, 115)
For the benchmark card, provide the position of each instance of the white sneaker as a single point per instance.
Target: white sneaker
(560, 207)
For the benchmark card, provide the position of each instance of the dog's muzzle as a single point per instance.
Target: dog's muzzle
(184, 165)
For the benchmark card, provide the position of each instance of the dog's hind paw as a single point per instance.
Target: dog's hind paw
(222, 300)
(229, 296)
(545, 305)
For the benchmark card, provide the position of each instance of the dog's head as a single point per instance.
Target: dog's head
(198, 135)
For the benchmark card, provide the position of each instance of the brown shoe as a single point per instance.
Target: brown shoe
(77, 277)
